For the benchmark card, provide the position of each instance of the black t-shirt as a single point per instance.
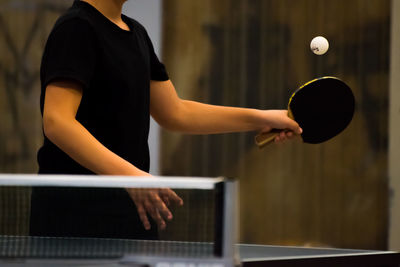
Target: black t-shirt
(114, 67)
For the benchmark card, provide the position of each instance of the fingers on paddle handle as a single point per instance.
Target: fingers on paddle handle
(264, 139)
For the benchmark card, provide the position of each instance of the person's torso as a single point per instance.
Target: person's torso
(115, 106)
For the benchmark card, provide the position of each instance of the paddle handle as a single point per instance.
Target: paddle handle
(264, 139)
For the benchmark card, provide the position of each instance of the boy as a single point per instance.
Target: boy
(101, 81)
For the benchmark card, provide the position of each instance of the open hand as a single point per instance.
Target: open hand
(154, 202)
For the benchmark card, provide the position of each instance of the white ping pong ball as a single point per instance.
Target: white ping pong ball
(319, 45)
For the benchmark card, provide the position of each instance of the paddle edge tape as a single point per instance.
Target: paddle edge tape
(312, 81)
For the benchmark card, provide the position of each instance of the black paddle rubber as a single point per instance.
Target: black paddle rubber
(323, 108)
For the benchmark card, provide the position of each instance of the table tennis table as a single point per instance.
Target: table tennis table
(39, 251)
(221, 251)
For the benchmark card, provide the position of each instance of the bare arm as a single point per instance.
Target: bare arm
(62, 100)
(185, 116)
(61, 127)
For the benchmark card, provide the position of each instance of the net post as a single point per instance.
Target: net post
(226, 219)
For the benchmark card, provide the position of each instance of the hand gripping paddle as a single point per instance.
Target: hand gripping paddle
(323, 108)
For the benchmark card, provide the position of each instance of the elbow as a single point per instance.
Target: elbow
(174, 120)
(49, 126)
(52, 127)
(170, 123)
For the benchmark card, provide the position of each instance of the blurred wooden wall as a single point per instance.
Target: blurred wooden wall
(254, 53)
(24, 28)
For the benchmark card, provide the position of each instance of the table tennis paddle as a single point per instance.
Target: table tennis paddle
(323, 108)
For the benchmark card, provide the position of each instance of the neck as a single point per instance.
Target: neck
(112, 9)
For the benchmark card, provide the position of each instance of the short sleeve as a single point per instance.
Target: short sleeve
(158, 70)
(70, 53)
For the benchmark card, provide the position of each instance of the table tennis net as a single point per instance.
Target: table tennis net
(98, 248)
(64, 217)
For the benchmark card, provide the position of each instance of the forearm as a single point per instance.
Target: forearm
(175, 114)
(75, 140)
(198, 118)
